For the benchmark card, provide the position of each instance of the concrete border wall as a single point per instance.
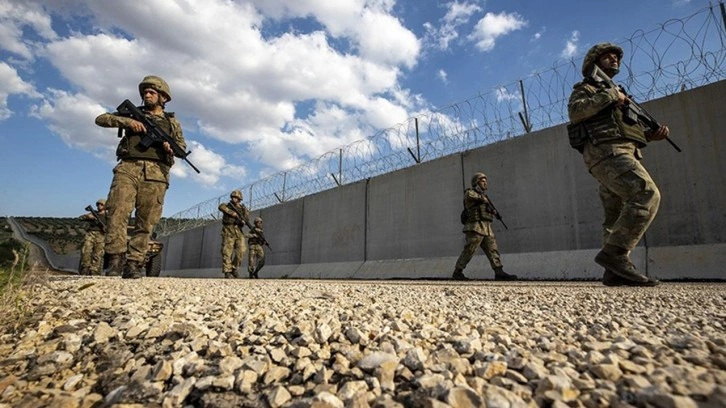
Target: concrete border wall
(405, 224)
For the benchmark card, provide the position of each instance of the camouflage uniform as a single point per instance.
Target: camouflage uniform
(629, 196)
(140, 181)
(256, 258)
(234, 246)
(478, 230)
(93, 242)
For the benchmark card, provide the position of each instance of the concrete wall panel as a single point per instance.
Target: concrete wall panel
(688, 262)
(211, 256)
(328, 270)
(335, 225)
(173, 252)
(693, 197)
(192, 248)
(414, 212)
(283, 229)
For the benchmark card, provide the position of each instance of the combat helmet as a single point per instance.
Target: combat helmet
(156, 83)
(595, 52)
(236, 193)
(101, 201)
(257, 219)
(475, 178)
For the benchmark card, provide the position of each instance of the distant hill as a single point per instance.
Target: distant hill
(64, 235)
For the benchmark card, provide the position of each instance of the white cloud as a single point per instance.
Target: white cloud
(69, 115)
(538, 34)
(16, 16)
(211, 165)
(492, 26)
(382, 39)
(504, 95)
(229, 81)
(369, 24)
(570, 49)
(443, 76)
(12, 84)
(456, 15)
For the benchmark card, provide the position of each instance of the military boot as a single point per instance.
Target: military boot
(611, 279)
(115, 264)
(234, 274)
(459, 275)
(616, 260)
(84, 271)
(499, 274)
(132, 270)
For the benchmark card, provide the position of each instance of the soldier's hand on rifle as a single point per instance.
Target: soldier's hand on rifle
(136, 126)
(660, 134)
(622, 99)
(167, 148)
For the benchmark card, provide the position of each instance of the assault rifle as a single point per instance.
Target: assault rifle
(498, 216)
(154, 134)
(262, 237)
(242, 221)
(632, 111)
(97, 216)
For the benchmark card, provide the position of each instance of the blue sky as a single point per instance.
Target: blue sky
(260, 86)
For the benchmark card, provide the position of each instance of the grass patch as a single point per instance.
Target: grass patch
(15, 289)
(13, 264)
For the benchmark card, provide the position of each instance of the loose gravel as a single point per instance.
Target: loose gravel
(166, 342)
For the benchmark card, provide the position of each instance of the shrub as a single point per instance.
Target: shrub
(7, 257)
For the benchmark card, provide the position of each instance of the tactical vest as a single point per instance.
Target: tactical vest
(230, 219)
(93, 225)
(255, 239)
(608, 124)
(129, 147)
(479, 212)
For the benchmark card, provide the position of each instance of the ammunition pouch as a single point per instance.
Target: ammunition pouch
(630, 117)
(254, 240)
(479, 213)
(577, 135)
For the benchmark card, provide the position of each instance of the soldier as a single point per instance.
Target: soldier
(233, 240)
(140, 179)
(629, 196)
(478, 229)
(256, 240)
(93, 241)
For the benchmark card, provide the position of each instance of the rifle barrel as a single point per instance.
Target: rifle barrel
(675, 146)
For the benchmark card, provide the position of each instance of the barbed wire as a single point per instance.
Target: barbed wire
(679, 54)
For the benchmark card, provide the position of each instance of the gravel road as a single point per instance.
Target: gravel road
(97, 341)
